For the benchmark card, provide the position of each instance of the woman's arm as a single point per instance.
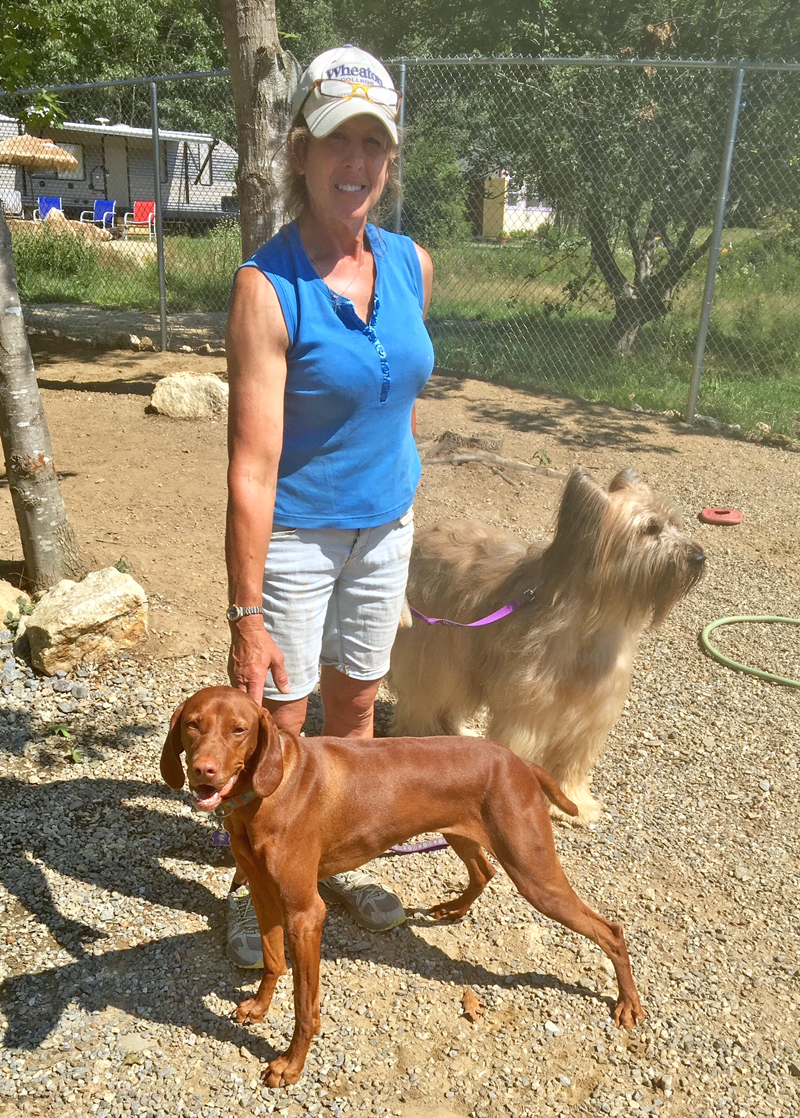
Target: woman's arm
(256, 345)
(426, 264)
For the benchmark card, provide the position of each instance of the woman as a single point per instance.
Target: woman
(327, 353)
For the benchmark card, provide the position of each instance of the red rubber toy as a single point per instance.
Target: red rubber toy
(721, 516)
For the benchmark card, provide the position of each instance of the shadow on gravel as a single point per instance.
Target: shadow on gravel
(99, 832)
(166, 982)
(84, 830)
(162, 982)
(51, 744)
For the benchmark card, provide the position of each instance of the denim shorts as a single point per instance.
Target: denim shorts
(333, 596)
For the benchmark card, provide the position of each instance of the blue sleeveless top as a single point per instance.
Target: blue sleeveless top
(349, 459)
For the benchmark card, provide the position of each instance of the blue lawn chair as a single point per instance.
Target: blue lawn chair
(102, 214)
(45, 206)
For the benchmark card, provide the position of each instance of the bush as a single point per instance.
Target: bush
(200, 269)
(52, 265)
(434, 187)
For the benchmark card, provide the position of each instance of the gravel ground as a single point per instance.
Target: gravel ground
(116, 993)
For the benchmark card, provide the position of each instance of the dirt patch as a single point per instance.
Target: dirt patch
(696, 851)
(151, 490)
(104, 325)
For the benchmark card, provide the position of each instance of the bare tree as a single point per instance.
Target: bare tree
(264, 77)
(49, 545)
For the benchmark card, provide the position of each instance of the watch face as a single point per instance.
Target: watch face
(232, 613)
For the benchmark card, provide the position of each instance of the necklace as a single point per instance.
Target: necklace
(339, 294)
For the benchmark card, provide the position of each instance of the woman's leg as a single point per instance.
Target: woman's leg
(348, 705)
(288, 715)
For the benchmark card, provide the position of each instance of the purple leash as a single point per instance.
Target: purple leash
(222, 838)
(504, 611)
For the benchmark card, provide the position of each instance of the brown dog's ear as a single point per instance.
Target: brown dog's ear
(268, 772)
(171, 767)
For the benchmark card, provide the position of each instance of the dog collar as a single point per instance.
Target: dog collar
(228, 806)
(504, 611)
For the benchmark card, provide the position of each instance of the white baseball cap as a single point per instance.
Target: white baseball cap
(345, 82)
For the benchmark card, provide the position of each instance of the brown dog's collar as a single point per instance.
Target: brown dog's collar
(229, 806)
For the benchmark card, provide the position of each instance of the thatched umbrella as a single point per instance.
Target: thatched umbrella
(34, 153)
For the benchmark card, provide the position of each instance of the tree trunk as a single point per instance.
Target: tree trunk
(49, 545)
(639, 304)
(263, 77)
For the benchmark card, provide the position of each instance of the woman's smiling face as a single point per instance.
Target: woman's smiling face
(346, 171)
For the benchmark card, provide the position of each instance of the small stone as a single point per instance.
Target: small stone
(189, 395)
(764, 785)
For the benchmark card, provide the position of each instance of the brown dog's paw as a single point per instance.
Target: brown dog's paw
(449, 910)
(628, 1014)
(248, 1012)
(280, 1072)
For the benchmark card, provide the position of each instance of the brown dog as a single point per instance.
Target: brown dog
(554, 674)
(323, 805)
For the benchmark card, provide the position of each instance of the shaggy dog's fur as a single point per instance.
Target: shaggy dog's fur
(554, 675)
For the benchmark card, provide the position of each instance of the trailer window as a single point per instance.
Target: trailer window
(77, 151)
(199, 158)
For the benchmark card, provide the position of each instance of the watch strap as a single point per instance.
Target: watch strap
(234, 613)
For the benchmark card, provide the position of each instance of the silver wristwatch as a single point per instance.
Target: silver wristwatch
(234, 613)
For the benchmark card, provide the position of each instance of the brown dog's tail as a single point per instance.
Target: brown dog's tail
(552, 790)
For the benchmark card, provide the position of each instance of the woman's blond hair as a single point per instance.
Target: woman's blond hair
(295, 190)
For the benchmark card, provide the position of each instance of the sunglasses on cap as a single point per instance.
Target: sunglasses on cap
(341, 90)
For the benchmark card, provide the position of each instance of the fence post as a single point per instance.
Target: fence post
(716, 237)
(162, 285)
(398, 206)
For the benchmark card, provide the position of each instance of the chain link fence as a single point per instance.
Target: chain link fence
(171, 243)
(602, 228)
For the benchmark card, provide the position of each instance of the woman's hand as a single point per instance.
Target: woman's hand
(253, 656)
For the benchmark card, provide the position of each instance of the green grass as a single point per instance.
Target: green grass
(507, 314)
(56, 268)
(504, 314)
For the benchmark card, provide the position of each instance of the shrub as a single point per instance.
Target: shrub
(52, 265)
(434, 187)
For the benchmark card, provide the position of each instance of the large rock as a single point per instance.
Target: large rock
(56, 220)
(190, 396)
(9, 603)
(85, 622)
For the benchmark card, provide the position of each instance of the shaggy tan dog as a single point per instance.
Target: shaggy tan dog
(554, 674)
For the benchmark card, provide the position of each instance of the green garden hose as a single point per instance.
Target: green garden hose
(708, 646)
